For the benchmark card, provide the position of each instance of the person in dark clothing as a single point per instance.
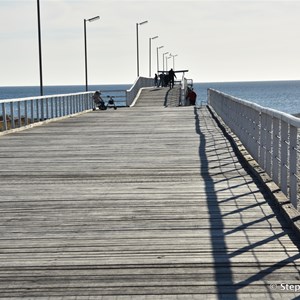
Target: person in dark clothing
(98, 101)
(161, 80)
(171, 78)
(191, 97)
(156, 80)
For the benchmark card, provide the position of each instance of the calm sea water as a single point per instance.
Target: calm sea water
(280, 95)
(31, 91)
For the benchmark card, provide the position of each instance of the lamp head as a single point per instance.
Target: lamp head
(142, 23)
(94, 19)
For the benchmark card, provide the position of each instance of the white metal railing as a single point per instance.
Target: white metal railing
(15, 113)
(138, 84)
(270, 136)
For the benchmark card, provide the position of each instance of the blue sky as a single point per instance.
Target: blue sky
(215, 40)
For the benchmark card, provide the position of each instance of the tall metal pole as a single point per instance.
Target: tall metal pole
(167, 62)
(164, 60)
(85, 57)
(157, 59)
(40, 48)
(173, 60)
(137, 50)
(152, 38)
(85, 49)
(137, 46)
(150, 57)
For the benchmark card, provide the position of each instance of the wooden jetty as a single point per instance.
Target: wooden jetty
(145, 202)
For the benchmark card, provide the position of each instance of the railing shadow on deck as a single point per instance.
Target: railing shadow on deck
(219, 235)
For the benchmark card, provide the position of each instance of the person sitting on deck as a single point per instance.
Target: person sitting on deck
(111, 103)
(98, 101)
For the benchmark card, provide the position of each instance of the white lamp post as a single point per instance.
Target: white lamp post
(152, 38)
(137, 46)
(85, 49)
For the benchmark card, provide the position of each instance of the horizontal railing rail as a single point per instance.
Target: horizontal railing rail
(16, 113)
(271, 137)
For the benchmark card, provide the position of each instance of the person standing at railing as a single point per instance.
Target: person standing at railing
(171, 78)
(191, 97)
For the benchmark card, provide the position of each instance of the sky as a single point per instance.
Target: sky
(217, 41)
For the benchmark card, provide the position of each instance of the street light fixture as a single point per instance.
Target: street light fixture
(151, 38)
(167, 62)
(164, 60)
(157, 48)
(85, 49)
(137, 46)
(40, 48)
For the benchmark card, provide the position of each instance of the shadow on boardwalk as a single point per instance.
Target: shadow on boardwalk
(259, 272)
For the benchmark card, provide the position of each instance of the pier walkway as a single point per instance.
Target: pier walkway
(139, 203)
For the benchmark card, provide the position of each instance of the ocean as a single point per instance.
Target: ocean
(280, 95)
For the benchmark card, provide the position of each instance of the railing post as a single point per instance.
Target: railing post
(37, 110)
(60, 106)
(42, 110)
(284, 155)
(276, 147)
(64, 106)
(32, 111)
(4, 116)
(19, 115)
(71, 105)
(293, 166)
(12, 115)
(56, 107)
(26, 112)
(47, 108)
(269, 145)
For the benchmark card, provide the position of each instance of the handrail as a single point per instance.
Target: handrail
(16, 113)
(140, 82)
(270, 136)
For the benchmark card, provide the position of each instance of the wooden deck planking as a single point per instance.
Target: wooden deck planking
(147, 201)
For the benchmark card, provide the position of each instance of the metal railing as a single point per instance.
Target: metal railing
(16, 113)
(270, 136)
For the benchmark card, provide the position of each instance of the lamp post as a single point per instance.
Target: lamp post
(173, 59)
(137, 46)
(157, 60)
(151, 38)
(164, 60)
(40, 48)
(85, 49)
(167, 62)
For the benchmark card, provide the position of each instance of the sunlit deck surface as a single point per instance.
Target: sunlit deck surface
(139, 203)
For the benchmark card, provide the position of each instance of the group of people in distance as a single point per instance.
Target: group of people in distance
(165, 80)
